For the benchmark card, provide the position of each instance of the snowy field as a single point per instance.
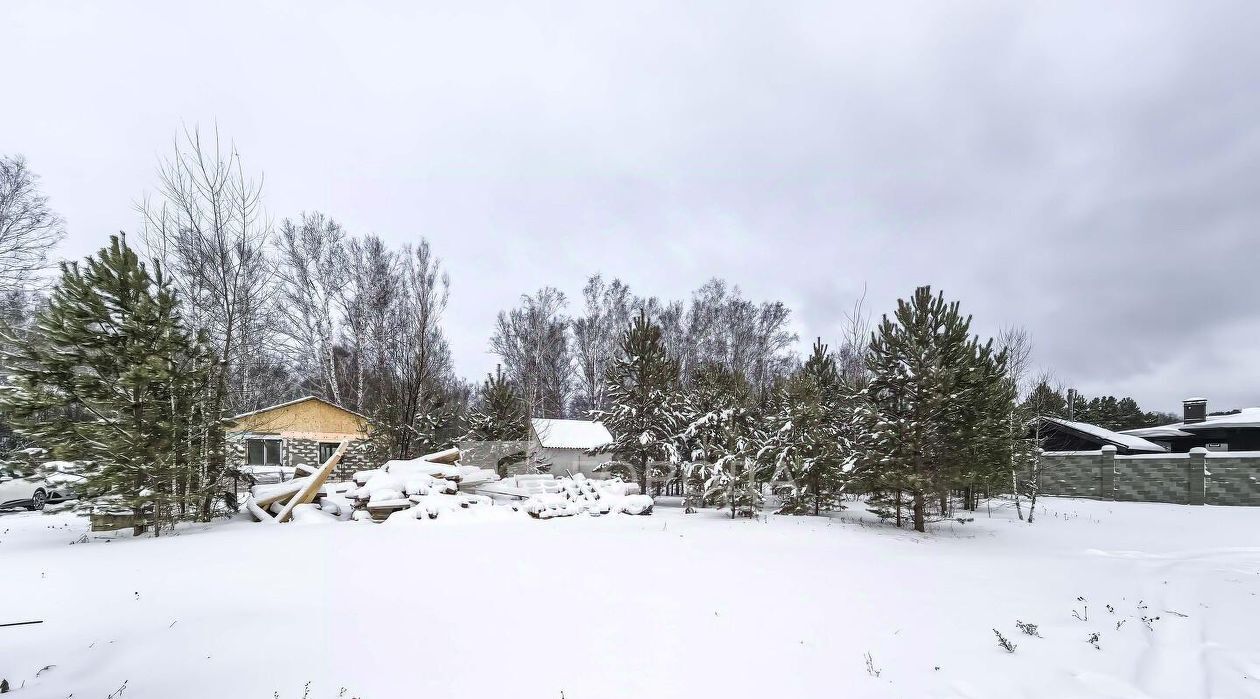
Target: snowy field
(668, 605)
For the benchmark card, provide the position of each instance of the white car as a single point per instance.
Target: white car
(33, 493)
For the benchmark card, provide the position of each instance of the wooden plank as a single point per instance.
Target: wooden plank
(259, 513)
(446, 456)
(307, 494)
(290, 488)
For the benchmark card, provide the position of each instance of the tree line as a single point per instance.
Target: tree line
(134, 357)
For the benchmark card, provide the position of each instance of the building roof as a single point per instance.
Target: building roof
(1128, 441)
(295, 402)
(1247, 417)
(570, 434)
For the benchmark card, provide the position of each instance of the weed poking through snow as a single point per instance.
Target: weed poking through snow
(1093, 641)
(1004, 642)
(870, 665)
(1083, 612)
(1028, 629)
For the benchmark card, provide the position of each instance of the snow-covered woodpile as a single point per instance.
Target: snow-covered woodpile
(277, 502)
(545, 496)
(433, 484)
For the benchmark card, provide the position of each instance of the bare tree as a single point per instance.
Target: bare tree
(1038, 405)
(1017, 345)
(423, 372)
(373, 289)
(595, 340)
(532, 340)
(208, 226)
(310, 277)
(725, 329)
(855, 342)
(28, 228)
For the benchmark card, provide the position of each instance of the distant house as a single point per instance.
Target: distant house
(561, 446)
(303, 431)
(1066, 435)
(1235, 431)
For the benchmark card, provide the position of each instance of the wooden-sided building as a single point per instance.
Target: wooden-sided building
(304, 431)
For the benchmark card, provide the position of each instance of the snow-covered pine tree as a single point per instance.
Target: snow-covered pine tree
(728, 454)
(978, 444)
(724, 440)
(646, 411)
(499, 414)
(805, 441)
(926, 411)
(114, 359)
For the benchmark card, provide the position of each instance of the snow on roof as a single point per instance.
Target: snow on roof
(295, 402)
(1247, 417)
(571, 434)
(1128, 441)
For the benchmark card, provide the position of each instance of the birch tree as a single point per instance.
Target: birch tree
(595, 335)
(311, 271)
(207, 225)
(29, 229)
(532, 341)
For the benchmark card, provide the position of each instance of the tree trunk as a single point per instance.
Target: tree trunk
(1015, 490)
(643, 466)
(920, 512)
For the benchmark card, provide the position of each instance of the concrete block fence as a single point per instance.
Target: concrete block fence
(1197, 478)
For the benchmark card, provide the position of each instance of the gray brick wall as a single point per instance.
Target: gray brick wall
(306, 451)
(1233, 480)
(1071, 474)
(1197, 478)
(1152, 479)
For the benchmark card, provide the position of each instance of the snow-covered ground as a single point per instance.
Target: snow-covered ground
(668, 605)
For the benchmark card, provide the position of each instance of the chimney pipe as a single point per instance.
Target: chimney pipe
(1194, 410)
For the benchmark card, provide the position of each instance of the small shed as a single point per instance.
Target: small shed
(303, 431)
(564, 445)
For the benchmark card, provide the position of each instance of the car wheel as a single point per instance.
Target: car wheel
(38, 500)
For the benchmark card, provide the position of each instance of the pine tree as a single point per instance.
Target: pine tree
(728, 454)
(724, 440)
(1047, 400)
(805, 442)
(114, 359)
(646, 412)
(500, 411)
(931, 408)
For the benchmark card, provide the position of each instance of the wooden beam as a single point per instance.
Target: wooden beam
(276, 495)
(315, 482)
(259, 513)
(446, 456)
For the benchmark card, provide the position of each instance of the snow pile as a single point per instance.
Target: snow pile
(426, 488)
(421, 487)
(546, 496)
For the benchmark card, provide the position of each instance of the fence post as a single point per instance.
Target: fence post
(1107, 471)
(1195, 475)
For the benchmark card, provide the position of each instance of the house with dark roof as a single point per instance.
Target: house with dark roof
(1068, 435)
(1237, 430)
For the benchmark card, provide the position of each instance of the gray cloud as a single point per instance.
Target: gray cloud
(1088, 171)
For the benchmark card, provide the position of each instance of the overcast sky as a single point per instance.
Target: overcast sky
(1091, 172)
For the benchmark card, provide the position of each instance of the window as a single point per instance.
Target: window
(262, 452)
(326, 450)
